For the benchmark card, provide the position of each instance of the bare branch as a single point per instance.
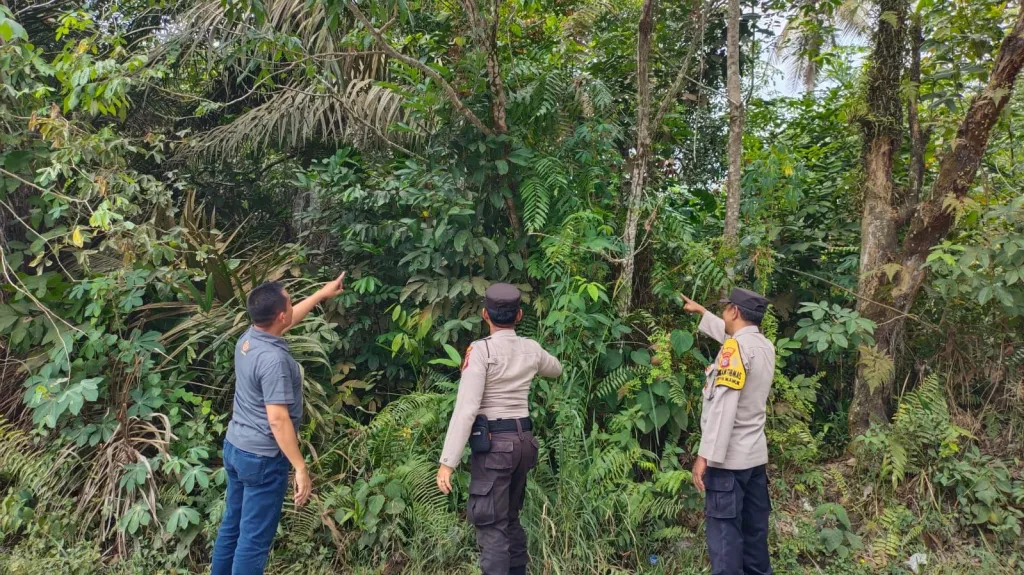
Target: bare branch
(449, 91)
(681, 77)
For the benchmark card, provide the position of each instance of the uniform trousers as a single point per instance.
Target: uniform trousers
(736, 519)
(497, 489)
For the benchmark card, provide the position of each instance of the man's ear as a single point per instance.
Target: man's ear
(483, 314)
(519, 315)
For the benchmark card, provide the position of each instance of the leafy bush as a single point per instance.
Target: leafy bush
(835, 531)
(921, 438)
(987, 493)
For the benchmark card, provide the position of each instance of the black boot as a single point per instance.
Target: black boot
(521, 570)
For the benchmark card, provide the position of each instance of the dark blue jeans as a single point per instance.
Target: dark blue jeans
(256, 489)
(736, 518)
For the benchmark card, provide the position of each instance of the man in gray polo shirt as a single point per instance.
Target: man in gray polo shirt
(262, 440)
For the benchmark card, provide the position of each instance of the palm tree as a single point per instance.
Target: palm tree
(814, 29)
(320, 91)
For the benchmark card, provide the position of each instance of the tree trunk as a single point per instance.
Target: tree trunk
(485, 32)
(732, 197)
(917, 138)
(960, 165)
(645, 131)
(934, 219)
(882, 131)
(498, 105)
(638, 164)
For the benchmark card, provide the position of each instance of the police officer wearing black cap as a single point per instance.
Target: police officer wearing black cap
(733, 455)
(492, 413)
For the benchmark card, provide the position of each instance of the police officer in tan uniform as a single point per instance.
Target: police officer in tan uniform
(492, 413)
(733, 455)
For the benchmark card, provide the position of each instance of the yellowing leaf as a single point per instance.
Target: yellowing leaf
(76, 237)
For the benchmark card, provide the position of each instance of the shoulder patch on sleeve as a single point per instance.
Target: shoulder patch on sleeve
(465, 360)
(731, 372)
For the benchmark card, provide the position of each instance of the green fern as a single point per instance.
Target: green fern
(618, 382)
(536, 203)
(899, 528)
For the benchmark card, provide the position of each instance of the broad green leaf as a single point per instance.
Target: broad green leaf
(984, 295)
(840, 340)
(832, 538)
(682, 341)
(375, 504)
(9, 30)
(645, 425)
(453, 354)
(181, 518)
(640, 356)
(661, 414)
(197, 474)
(680, 416)
(660, 388)
(460, 240)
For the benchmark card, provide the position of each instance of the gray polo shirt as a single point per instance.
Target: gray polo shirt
(265, 374)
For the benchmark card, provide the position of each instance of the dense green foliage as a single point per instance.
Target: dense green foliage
(159, 159)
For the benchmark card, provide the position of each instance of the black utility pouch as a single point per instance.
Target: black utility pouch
(480, 435)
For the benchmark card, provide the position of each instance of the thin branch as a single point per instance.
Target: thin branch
(677, 85)
(710, 89)
(21, 288)
(449, 91)
(268, 167)
(869, 300)
(37, 7)
(64, 197)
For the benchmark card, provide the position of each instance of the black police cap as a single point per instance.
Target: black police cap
(502, 297)
(747, 300)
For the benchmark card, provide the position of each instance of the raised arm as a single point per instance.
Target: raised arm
(710, 324)
(547, 364)
(302, 309)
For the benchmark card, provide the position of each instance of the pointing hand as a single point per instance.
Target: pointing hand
(691, 306)
(334, 288)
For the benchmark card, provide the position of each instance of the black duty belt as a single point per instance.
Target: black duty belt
(506, 425)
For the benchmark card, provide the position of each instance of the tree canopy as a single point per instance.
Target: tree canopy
(160, 159)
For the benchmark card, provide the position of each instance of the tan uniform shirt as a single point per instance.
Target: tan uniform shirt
(496, 376)
(732, 420)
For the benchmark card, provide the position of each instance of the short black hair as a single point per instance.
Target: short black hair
(265, 302)
(750, 316)
(503, 317)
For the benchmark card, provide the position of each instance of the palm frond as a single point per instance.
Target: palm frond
(359, 113)
(318, 90)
